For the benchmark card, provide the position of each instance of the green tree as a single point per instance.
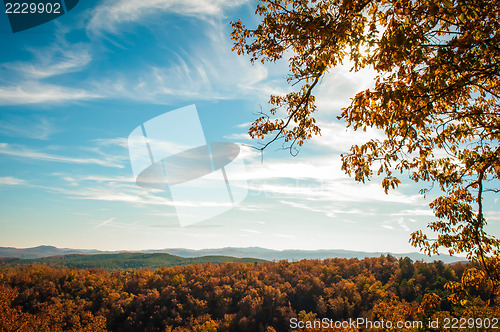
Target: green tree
(436, 99)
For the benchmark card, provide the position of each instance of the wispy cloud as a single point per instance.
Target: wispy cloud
(238, 137)
(56, 59)
(244, 125)
(332, 209)
(105, 222)
(135, 196)
(113, 192)
(286, 236)
(250, 231)
(36, 128)
(414, 212)
(111, 179)
(204, 72)
(117, 141)
(403, 225)
(317, 179)
(11, 181)
(492, 215)
(112, 223)
(336, 137)
(33, 92)
(202, 69)
(315, 169)
(340, 85)
(108, 16)
(25, 82)
(333, 191)
(304, 206)
(124, 190)
(399, 224)
(20, 151)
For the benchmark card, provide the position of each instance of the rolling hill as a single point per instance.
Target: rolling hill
(254, 252)
(124, 260)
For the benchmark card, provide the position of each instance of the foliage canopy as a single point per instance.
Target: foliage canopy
(233, 297)
(436, 98)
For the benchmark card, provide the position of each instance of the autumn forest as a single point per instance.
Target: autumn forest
(231, 296)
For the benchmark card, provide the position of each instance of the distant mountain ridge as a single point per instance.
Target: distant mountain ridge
(248, 252)
(43, 251)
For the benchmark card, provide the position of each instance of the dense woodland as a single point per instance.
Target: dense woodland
(233, 296)
(124, 260)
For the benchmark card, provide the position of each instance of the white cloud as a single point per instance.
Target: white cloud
(77, 180)
(414, 212)
(250, 231)
(332, 191)
(22, 80)
(492, 215)
(205, 72)
(53, 60)
(11, 181)
(302, 206)
(120, 189)
(337, 137)
(286, 236)
(399, 223)
(318, 169)
(112, 179)
(112, 223)
(339, 86)
(318, 179)
(36, 128)
(404, 226)
(24, 152)
(204, 68)
(238, 137)
(111, 14)
(115, 192)
(244, 125)
(105, 222)
(35, 92)
(140, 198)
(117, 141)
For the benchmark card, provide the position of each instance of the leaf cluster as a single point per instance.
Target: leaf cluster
(435, 98)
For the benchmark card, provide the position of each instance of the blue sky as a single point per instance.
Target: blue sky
(73, 89)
